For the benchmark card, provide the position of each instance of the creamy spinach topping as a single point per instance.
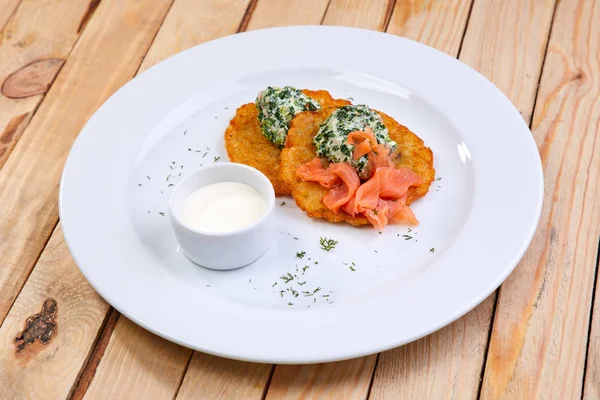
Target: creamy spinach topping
(276, 108)
(331, 140)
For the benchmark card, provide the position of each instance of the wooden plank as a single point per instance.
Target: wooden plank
(7, 9)
(117, 36)
(372, 14)
(439, 24)
(506, 41)
(182, 29)
(133, 365)
(210, 377)
(33, 46)
(448, 363)
(80, 314)
(341, 380)
(591, 383)
(272, 13)
(538, 344)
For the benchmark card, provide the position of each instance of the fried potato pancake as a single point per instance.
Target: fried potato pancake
(246, 144)
(411, 152)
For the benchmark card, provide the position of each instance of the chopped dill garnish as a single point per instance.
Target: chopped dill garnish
(315, 300)
(204, 155)
(295, 238)
(316, 262)
(375, 212)
(249, 280)
(148, 177)
(301, 254)
(305, 268)
(290, 303)
(438, 179)
(431, 250)
(409, 230)
(302, 283)
(327, 244)
(217, 159)
(316, 290)
(274, 284)
(325, 295)
(281, 292)
(184, 132)
(139, 184)
(161, 213)
(170, 185)
(380, 232)
(287, 277)
(407, 237)
(352, 268)
(282, 203)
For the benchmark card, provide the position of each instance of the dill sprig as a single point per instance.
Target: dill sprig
(327, 244)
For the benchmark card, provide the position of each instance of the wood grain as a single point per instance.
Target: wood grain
(448, 363)
(272, 13)
(106, 56)
(131, 365)
(341, 380)
(192, 22)
(7, 9)
(538, 344)
(210, 377)
(36, 40)
(506, 41)
(372, 14)
(439, 24)
(591, 383)
(48, 371)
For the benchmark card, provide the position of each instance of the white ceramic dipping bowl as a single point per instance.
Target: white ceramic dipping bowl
(228, 250)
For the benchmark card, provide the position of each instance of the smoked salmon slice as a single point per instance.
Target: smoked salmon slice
(315, 172)
(363, 142)
(400, 212)
(341, 194)
(381, 199)
(394, 182)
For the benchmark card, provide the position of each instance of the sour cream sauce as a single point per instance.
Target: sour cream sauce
(223, 207)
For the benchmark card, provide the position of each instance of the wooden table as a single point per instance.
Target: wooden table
(536, 337)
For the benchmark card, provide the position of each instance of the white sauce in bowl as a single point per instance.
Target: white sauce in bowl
(223, 207)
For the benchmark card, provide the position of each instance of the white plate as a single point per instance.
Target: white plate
(171, 119)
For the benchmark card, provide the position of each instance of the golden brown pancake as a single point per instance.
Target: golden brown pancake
(299, 149)
(246, 144)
